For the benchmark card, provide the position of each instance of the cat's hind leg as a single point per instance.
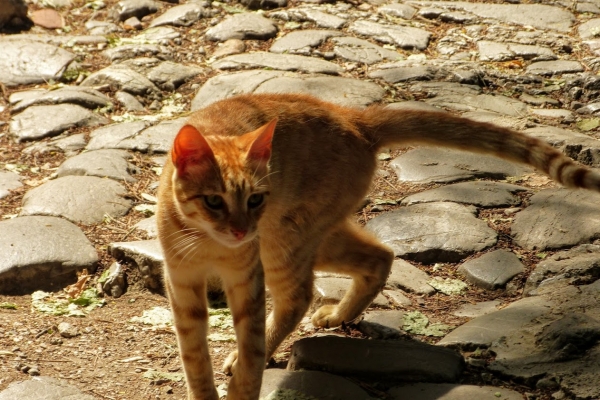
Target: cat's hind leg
(190, 314)
(245, 291)
(352, 251)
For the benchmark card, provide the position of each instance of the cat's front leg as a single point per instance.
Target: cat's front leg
(245, 290)
(190, 315)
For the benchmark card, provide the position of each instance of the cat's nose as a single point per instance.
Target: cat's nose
(239, 233)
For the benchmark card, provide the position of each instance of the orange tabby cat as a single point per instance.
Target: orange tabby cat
(270, 182)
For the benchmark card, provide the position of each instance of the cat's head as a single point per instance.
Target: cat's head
(221, 182)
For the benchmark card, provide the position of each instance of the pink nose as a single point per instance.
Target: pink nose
(238, 233)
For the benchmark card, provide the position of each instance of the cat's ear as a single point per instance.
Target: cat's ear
(190, 149)
(260, 150)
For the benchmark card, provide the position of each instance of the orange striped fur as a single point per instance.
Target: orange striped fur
(236, 200)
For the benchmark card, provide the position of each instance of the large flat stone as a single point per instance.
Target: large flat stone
(576, 145)
(557, 219)
(577, 266)
(311, 383)
(536, 15)
(182, 15)
(8, 181)
(38, 122)
(25, 62)
(135, 136)
(401, 36)
(344, 91)
(492, 270)
(498, 51)
(482, 331)
(362, 51)
(379, 360)
(320, 18)
(409, 278)
(330, 290)
(427, 165)
(302, 41)
(103, 163)
(243, 26)
(478, 193)
(433, 232)
(447, 391)
(43, 388)
(81, 199)
(148, 256)
(42, 253)
(121, 77)
(281, 62)
(82, 96)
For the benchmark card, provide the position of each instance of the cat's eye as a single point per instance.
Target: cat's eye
(214, 201)
(255, 200)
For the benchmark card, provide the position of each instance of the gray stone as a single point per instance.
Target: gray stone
(401, 36)
(57, 40)
(37, 122)
(505, 121)
(134, 136)
(478, 193)
(540, 100)
(9, 181)
(113, 136)
(183, 15)
(24, 62)
(492, 270)
(115, 282)
(317, 384)
(587, 8)
(129, 101)
(262, 4)
(561, 344)
(483, 331)
(121, 77)
(80, 199)
(330, 290)
(101, 27)
(576, 145)
(67, 330)
(229, 47)
(412, 105)
(499, 104)
(398, 298)
(301, 42)
(282, 62)
(320, 18)
(382, 324)
(457, 17)
(426, 165)
(362, 51)
(556, 67)
(404, 74)
(42, 253)
(159, 35)
(103, 163)
(447, 391)
(379, 360)
(577, 266)
(552, 113)
(52, 389)
(148, 256)
(344, 91)
(85, 97)
(125, 9)
(169, 75)
(568, 220)
(409, 278)
(594, 46)
(477, 309)
(242, 26)
(433, 232)
(148, 225)
(398, 10)
(69, 144)
(535, 15)
(589, 29)
(498, 51)
(129, 51)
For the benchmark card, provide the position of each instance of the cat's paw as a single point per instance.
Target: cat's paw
(230, 363)
(327, 317)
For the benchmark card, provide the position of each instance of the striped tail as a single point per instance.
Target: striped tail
(386, 128)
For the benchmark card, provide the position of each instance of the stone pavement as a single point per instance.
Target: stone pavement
(111, 90)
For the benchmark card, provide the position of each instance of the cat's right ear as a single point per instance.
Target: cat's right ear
(190, 149)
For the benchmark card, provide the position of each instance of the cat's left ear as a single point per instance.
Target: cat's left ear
(260, 150)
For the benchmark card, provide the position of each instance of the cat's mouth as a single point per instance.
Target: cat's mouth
(234, 240)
